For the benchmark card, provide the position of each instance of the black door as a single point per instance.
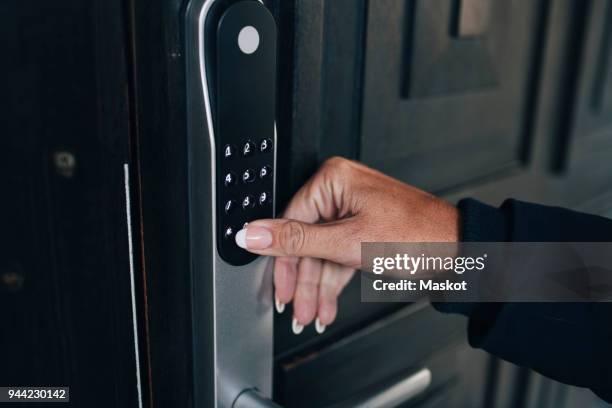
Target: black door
(482, 98)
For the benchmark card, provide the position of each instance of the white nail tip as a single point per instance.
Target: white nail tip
(241, 238)
(296, 327)
(319, 327)
(280, 307)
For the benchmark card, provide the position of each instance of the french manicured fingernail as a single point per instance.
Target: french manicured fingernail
(296, 327)
(280, 307)
(319, 327)
(254, 238)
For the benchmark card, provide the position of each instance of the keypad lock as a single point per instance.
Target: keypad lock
(241, 55)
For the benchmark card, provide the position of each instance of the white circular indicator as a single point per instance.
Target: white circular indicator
(248, 40)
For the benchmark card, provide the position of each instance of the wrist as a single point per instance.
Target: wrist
(448, 221)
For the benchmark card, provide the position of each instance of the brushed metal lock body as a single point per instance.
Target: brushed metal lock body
(230, 49)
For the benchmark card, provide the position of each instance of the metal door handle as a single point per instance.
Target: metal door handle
(252, 398)
(399, 392)
(391, 396)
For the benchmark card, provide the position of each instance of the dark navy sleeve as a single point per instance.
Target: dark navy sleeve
(568, 342)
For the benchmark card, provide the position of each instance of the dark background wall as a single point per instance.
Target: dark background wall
(64, 261)
(516, 104)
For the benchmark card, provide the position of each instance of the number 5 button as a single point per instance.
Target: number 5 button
(248, 176)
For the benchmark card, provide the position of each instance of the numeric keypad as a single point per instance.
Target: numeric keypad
(247, 183)
(242, 92)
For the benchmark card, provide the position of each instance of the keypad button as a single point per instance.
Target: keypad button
(248, 202)
(264, 198)
(229, 206)
(228, 233)
(265, 172)
(248, 176)
(230, 179)
(265, 145)
(248, 148)
(229, 151)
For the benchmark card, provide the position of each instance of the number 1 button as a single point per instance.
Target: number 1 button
(228, 151)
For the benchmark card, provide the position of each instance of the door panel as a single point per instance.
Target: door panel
(444, 104)
(434, 101)
(592, 111)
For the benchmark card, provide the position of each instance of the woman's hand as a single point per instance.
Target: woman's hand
(318, 241)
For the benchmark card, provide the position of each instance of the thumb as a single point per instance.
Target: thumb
(332, 241)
